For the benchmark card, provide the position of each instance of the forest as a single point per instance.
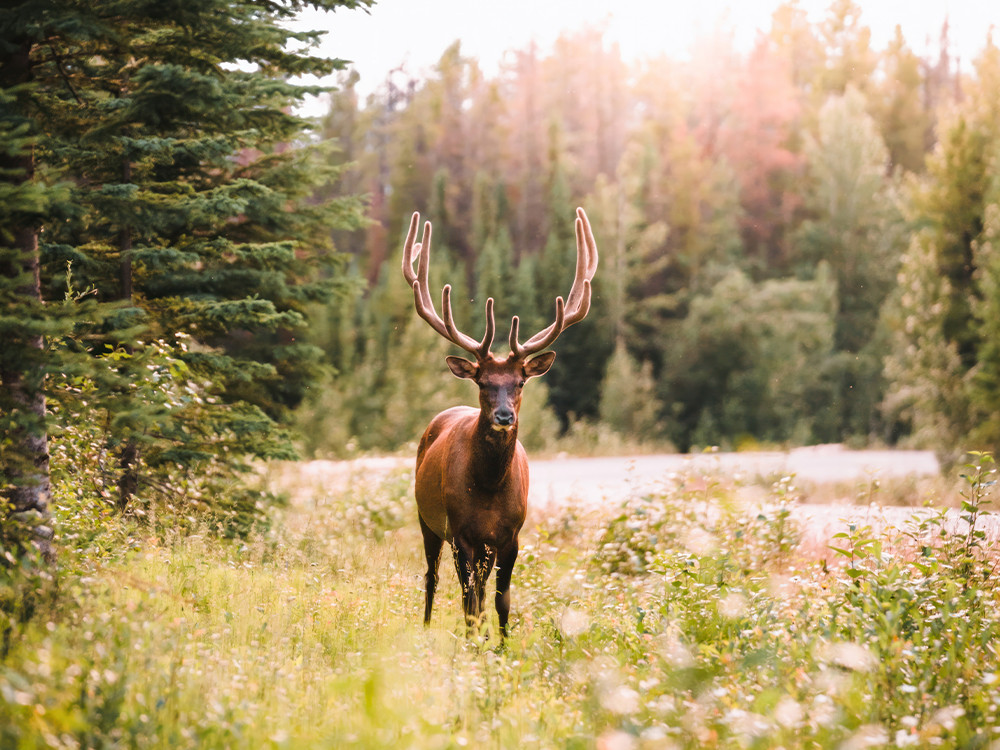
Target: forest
(796, 242)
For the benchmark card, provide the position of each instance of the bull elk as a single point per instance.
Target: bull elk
(472, 471)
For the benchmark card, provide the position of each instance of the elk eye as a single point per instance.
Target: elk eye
(520, 384)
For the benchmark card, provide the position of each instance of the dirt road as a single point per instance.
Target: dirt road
(609, 480)
(596, 481)
(592, 480)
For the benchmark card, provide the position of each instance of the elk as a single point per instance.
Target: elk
(472, 472)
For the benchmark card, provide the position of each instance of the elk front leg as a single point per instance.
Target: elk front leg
(505, 568)
(432, 550)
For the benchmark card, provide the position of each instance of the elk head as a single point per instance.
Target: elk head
(500, 380)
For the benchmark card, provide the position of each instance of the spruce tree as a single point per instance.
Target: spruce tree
(941, 365)
(191, 213)
(855, 227)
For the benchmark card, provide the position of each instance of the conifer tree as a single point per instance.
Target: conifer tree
(629, 404)
(190, 212)
(583, 350)
(855, 228)
(27, 199)
(903, 114)
(940, 316)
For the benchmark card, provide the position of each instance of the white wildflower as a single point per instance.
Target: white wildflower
(574, 622)
(620, 700)
(788, 712)
(868, 735)
(614, 739)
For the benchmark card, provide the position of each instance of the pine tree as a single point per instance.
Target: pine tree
(854, 228)
(984, 392)
(24, 454)
(583, 349)
(940, 317)
(191, 213)
(902, 114)
(849, 57)
(629, 404)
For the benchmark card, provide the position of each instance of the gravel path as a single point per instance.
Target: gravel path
(594, 479)
(607, 481)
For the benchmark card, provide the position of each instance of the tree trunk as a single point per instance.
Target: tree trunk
(22, 374)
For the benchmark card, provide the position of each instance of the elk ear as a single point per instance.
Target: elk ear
(539, 365)
(462, 368)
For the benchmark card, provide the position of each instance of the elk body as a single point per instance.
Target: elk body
(472, 471)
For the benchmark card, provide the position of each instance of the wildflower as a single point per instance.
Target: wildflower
(945, 717)
(850, 656)
(788, 712)
(620, 700)
(868, 735)
(573, 622)
(700, 542)
(733, 605)
(615, 739)
(675, 652)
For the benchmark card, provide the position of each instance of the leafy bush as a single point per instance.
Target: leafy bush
(192, 465)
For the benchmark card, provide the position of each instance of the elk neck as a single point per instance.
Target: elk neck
(492, 452)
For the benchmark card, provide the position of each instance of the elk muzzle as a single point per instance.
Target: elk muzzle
(504, 418)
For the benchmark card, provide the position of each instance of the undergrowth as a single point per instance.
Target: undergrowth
(681, 618)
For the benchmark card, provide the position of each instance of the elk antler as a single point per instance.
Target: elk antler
(422, 297)
(578, 304)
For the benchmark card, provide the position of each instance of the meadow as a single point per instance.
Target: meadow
(676, 618)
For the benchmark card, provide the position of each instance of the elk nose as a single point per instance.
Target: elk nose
(503, 418)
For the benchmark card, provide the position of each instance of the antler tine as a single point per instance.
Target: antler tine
(479, 348)
(491, 327)
(409, 249)
(578, 302)
(543, 338)
(422, 298)
(586, 267)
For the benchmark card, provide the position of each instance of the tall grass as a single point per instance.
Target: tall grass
(679, 619)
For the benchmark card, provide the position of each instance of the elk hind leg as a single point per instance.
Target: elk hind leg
(505, 568)
(432, 550)
(473, 564)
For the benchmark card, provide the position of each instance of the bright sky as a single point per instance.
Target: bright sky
(416, 32)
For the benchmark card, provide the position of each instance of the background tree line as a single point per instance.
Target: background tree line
(797, 242)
